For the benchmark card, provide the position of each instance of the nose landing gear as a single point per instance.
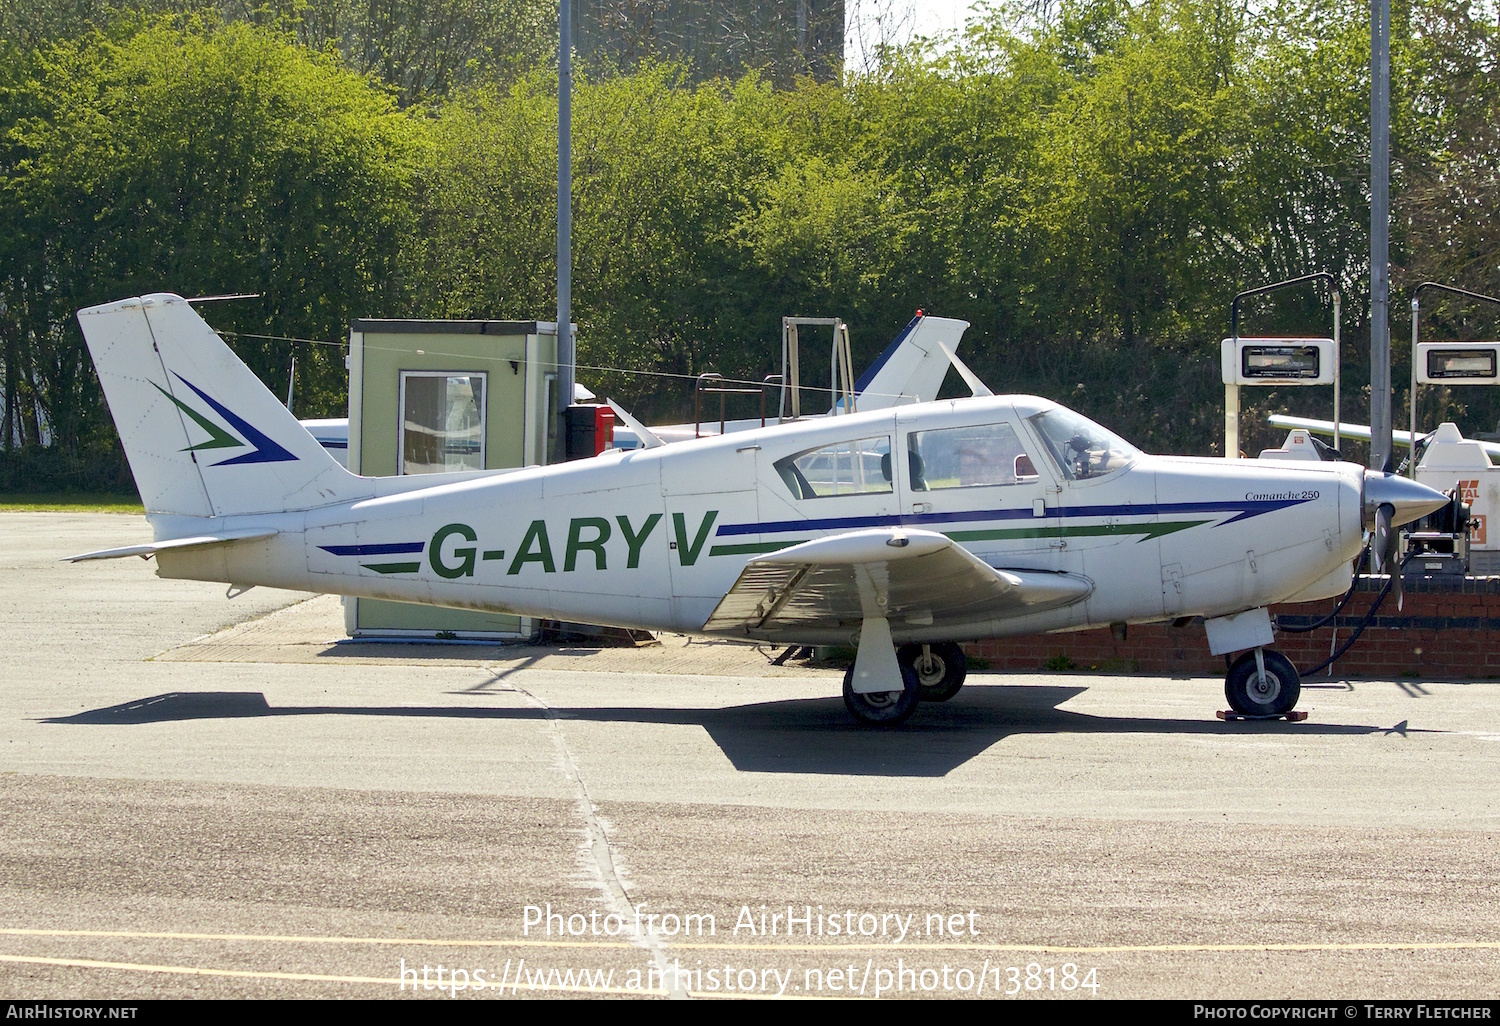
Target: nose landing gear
(1262, 683)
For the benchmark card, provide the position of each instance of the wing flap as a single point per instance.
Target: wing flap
(905, 576)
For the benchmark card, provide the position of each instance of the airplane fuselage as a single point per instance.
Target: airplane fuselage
(655, 538)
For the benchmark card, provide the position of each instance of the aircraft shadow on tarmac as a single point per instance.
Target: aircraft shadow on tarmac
(795, 736)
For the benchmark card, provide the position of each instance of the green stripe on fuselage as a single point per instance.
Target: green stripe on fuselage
(393, 568)
(752, 548)
(1146, 531)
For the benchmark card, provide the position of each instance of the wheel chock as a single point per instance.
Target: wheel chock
(1295, 716)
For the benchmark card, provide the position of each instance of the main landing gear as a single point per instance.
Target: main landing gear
(929, 673)
(882, 708)
(940, 669)
(1262, 683)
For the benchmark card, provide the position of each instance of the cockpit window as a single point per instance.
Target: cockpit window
(858, 467)
(1082, 448)
(967, 457)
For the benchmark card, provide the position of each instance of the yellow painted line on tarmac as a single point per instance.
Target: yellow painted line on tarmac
(1120, 949)
(308, 939)
(1134, 949)
(192, 970)
(250, 974)
(831, 946)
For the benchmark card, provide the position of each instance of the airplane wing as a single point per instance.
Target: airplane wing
(908, 576)
(1359, 431)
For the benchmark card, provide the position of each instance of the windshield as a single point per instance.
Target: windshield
(1082, 448)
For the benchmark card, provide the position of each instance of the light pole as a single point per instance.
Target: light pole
(565, 354)
(1381, 442)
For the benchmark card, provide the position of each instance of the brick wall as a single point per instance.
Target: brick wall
(1445, 629)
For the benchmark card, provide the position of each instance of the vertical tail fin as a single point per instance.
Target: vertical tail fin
(912, 368)
(204, 437)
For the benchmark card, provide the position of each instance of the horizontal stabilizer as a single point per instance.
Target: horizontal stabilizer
(976, 386)
(147, 551)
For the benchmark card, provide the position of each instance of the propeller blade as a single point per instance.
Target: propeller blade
(1383, 544)
(1383, 548)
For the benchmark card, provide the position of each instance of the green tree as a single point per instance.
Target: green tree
(421, 49)
(661, 172)
(1449, 209)
(201, 161)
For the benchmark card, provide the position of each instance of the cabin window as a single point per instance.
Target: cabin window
(858, 467)
(967, 457)
(442, 422)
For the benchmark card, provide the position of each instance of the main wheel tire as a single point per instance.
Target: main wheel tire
(882, 708)
(940, 677)
(1246, 695)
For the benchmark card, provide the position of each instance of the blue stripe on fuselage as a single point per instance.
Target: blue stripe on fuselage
(1242, 508)
(387, 549)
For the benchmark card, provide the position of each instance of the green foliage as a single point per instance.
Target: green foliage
(421, 49)
(691, 219)
(1449, 209)
(54, 471)
(92, 501)
(1087, 182)
(202, 161)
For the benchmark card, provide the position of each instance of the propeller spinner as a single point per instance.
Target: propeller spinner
(1391, 501)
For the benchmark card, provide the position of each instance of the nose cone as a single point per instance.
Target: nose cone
(1410, 499)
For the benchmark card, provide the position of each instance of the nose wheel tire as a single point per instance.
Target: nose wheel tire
(882, 708)
(940, 671)
(1249, 696)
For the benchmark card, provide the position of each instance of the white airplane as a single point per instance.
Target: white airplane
(917, 526)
